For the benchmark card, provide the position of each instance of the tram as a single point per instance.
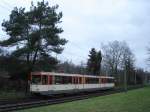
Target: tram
(48, 83)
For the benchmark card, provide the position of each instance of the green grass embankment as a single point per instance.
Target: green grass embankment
(132, 101)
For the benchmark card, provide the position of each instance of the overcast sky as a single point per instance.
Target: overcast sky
(88, 23)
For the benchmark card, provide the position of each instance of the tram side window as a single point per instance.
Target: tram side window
(104, 80)
(110, 80)
(58, 80)
(36, 79)
(75, 80)
(80, 80)
(67, 80)
(63, 80)
(44, 79)
(92, 80)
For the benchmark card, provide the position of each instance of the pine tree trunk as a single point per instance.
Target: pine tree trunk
(27, 83)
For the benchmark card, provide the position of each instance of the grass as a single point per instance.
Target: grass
(11, 95)
(132, 101)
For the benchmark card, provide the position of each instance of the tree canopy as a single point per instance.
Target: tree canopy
(34, 34)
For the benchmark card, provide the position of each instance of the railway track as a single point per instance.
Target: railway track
(43, 102)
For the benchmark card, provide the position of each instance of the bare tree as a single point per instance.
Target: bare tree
(117, 56)
(127, 56)
(112, 56)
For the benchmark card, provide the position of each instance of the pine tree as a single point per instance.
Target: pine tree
(34, 34)
(94, 62)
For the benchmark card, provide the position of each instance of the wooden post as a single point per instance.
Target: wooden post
(125, 79)
(135, 77)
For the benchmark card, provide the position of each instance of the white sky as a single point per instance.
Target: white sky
(88, 23)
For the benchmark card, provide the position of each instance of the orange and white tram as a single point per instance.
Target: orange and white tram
(56, 83)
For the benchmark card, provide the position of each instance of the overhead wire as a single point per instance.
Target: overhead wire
(3, 7)
(77, 46)
(7, 4)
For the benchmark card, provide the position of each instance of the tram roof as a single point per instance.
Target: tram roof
(66, 74)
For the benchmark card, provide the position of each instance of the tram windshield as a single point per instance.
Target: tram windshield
(36, 79)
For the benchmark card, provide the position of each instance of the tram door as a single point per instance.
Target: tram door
(50, 82)
(75, 82)
(44, 83)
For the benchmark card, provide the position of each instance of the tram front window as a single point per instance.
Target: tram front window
(36, 79)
